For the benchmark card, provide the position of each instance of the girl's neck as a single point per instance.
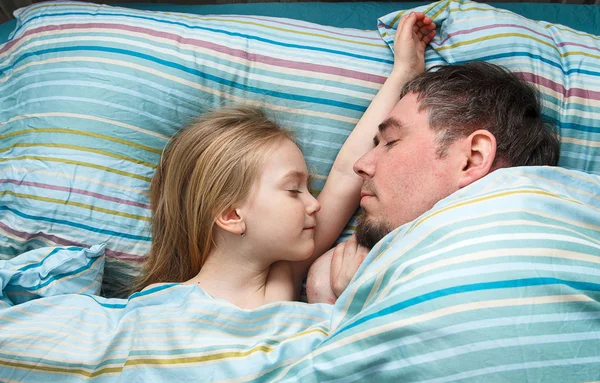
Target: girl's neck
(230, 275)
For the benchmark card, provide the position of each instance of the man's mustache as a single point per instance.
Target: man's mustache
(368, 188)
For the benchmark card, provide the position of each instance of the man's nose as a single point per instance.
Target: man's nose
(365, 166)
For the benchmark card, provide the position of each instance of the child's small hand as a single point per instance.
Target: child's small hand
(347, 258)
(414, 32)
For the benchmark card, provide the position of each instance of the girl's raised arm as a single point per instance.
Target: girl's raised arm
(341, 195)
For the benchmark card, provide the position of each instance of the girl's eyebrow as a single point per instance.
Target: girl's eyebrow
(296, 174)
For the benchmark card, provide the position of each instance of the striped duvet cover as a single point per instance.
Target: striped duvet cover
(500, 282)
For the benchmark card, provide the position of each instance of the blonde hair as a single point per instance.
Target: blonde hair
(206, 169)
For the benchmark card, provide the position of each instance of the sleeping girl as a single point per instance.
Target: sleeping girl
(232, 212)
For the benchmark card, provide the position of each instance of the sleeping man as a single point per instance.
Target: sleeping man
(450, 128)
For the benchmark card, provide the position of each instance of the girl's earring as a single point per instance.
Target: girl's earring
(243, 234)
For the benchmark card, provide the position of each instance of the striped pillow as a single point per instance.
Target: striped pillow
(50, 271)
(560, 61)
(92, 94)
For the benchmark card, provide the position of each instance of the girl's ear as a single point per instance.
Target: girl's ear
(231, 220)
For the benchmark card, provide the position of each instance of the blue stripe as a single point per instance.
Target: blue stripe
(530, 55)
(189, 70)
(77, 225)
(56, 278)
(469, 288)
(249, 37)
(574, 126)
(133, 296)
(46, 257)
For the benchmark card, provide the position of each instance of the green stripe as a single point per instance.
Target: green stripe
(81, 133)
(73, 203)
(80, 163)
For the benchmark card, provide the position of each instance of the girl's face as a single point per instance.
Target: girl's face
(280, 214)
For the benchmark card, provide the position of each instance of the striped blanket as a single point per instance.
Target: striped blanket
(498, 282)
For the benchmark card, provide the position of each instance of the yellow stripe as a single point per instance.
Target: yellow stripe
(80, 163)
(482, 9)
(79, 148)
(485, 198)
(389, 326)
(204, 18)
(497, 255)
(77, 371)
(73, 203)
(502, 35)
(297, 32)
(219, 356)
(426, 11)
(155, 361)
(201, 312)
(567, 29)
(497, 36)
(16, 267)
(442, 9)
(15, 169)
(81, 133)
(73, 115)
(211, 90)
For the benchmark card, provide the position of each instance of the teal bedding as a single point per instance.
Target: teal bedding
(363, 15)
(498, 282)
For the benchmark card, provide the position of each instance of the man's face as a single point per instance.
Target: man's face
(403, 175)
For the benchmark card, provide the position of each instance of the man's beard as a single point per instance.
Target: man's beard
(369, 232)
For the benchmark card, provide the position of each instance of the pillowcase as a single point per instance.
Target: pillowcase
(92, 94)
(561, 62)
(50, 271)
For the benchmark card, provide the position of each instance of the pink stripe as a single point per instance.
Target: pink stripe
(466, 31)
(65, 242)
(480, 28)
(305, 27)
(571, 92)
(215, 47)
(77, 191)
(578, 45)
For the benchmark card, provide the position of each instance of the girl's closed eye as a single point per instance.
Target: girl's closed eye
(391, 143)
(295, 191)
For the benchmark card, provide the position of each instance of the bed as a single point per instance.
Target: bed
(498, 282)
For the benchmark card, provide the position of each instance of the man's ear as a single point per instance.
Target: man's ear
(480, 152)
(231, 220)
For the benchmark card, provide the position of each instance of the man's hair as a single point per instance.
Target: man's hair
(461, 99)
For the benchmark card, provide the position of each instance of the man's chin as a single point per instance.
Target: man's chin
(369, 232)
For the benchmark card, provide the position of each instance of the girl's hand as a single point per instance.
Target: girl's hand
(414, 32)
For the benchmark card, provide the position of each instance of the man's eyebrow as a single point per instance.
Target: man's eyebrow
(389, 122)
